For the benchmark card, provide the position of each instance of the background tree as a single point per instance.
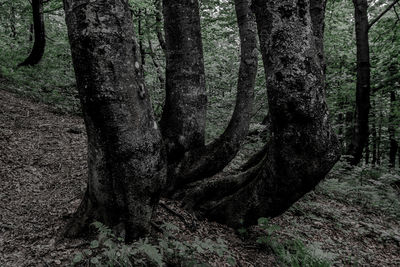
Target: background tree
(40, 37)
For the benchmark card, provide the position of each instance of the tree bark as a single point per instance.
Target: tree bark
(160, 36)
(40, 37)
(367, 152)
(184, 114)
(303, 147)
(317, 13)
(360, 130)
(211, 159)
(126, 164)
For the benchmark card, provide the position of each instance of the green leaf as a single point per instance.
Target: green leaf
(94, 244)
(78, 258)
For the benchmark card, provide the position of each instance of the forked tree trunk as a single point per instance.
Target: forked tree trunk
(361, 130)
(125, 159)
(208, 160)
(40, 37)
(303, 147)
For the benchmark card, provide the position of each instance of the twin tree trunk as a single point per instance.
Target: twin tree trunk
(40, 38)
(127, 166)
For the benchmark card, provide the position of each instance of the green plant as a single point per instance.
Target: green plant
(110, 250)
(264, 224)
(292, 253)
(363, 186)
(296, 254)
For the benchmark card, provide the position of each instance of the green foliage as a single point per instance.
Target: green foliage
(52, 81)
(290, 253)
(371, 188)
(110, 250)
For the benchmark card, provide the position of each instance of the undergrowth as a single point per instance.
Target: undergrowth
(293, 253)
(375, 190)
(110, 250)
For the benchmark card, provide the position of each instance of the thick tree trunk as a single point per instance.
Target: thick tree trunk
(360, 131)
(125, 159)
(392, 131)
(184, 114)
(303, 147)
(211, 159)
(40, 37)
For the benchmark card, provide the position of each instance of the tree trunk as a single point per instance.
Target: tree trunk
(392, 131)
(374, 135)
(126, 167)
(303, 147)
(184, 114)
(367, 152)
(141, 38)
(13, 21)
(349, 119)
(160, 36)
(317, 13)
(360, 131)
(379, 139)
(211, 159)
(40, 37)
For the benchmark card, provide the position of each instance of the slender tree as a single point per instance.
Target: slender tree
(361, 130)
(361, 127)
(125, 154)
(40, 37)
(393, 144)
(392, 131)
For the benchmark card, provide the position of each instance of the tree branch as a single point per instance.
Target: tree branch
(382, 14)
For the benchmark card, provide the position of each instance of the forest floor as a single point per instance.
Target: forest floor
(42, 179)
